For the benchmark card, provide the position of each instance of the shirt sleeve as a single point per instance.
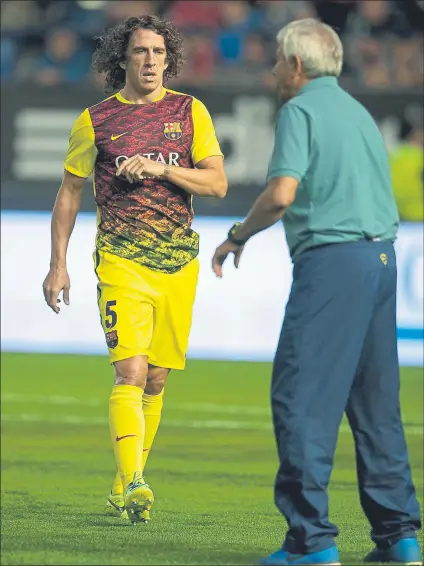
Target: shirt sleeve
(82, 152)
(205, 143)
(291, 154)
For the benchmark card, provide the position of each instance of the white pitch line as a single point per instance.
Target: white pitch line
(50, 399)
(64, 419)
(213, 424)
(95, 402)
(77, 420)
(229, 409)
(415, 429)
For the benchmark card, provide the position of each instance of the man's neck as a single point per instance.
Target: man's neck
(137, 97)
(302, 82)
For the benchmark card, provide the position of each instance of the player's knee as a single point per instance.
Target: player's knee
(154, 388)
(156, 378)
(132, 371)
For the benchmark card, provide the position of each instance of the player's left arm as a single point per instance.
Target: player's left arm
(289, 164)
(207, 179)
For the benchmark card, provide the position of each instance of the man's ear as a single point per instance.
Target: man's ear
(123, 64)
(296, 64)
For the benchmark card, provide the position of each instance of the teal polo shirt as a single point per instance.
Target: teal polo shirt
(328, 141)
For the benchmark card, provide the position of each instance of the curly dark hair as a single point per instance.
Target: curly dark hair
(112, 48)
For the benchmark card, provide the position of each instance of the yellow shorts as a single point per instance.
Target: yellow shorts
(145, 312)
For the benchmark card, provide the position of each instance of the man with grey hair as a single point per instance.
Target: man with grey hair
(329, 177)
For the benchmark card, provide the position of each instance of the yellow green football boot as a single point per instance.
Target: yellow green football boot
(115, 506)
(138, 500)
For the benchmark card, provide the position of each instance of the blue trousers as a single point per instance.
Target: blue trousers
(338, 353)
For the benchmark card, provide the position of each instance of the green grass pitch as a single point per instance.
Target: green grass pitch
(212, 467)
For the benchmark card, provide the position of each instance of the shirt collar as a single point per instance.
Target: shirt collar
(320, 82)
(125, 101)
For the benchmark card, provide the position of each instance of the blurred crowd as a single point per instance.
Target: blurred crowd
(51, 41)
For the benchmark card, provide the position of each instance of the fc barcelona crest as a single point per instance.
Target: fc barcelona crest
(112, 339)
(172, 130)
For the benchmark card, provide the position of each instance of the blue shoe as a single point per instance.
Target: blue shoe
(328, 557)
(405, 551)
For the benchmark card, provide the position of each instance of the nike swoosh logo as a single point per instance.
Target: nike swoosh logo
(118, 438)
(113, 137)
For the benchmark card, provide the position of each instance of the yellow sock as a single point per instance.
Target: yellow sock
(126, 423)
(152, 409)
(117, 487)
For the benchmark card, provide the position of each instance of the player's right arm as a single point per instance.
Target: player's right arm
(79, 164)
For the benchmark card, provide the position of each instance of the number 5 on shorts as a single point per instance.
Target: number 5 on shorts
(111, 316)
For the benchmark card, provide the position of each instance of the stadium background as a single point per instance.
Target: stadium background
(215, 408)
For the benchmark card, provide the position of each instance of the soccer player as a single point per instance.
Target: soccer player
(329, 176)
(149, 150)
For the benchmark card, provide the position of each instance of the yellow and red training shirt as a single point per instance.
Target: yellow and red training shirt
(148, 221)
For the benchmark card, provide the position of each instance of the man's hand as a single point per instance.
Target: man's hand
(221, 254)
(137, 168)
(57, 280)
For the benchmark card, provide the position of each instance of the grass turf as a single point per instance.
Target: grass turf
(212, 467)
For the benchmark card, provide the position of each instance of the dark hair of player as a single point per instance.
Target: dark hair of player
(112, 49)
